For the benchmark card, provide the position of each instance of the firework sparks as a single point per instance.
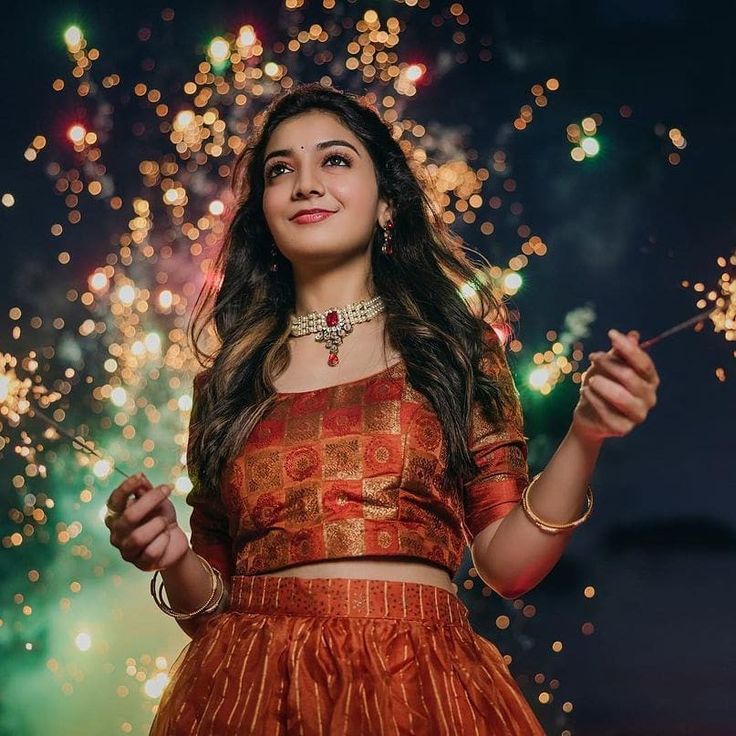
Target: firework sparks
(20, 397)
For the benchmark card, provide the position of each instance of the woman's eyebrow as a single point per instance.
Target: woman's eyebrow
(319, 147)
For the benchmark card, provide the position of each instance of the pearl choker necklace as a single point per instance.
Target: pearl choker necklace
(331, 326)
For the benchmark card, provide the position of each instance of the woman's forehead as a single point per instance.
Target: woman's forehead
(306, 130)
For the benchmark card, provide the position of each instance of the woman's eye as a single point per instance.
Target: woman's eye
(269, 173)
(273, 171)
(339, 157)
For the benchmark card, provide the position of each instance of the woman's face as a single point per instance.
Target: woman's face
(313, 162)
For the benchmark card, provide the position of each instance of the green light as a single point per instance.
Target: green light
(73, 37)
(538, 378)
(590, 146)
(512, 281)
(218, 52)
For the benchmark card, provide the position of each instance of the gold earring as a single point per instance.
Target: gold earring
(274, 264)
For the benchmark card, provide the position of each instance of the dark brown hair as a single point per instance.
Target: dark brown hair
(442, 338)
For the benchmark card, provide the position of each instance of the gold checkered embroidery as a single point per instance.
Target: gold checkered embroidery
(302, 503)
(344, 538)
(343, 459)
(382, 416)
(381, 498)
(303, 428)
(263, 471)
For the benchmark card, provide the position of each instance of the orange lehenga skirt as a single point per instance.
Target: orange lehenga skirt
(341, 656)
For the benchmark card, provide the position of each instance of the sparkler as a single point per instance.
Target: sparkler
(723, 313)
(35, 411)
(16, 400)
(677, 328)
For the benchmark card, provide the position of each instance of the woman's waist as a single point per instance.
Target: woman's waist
(370, 568)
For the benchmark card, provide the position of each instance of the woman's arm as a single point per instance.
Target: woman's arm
(189, 586)
(188, 583)
(512, 554)
(617, 393)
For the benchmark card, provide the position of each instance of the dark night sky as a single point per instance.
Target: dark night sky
(622, 234)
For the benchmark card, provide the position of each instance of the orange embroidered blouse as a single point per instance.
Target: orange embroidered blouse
(351, 470)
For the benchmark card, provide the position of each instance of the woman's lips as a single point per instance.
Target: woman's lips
(312, 217)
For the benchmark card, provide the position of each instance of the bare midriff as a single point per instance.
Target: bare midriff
(363, 568)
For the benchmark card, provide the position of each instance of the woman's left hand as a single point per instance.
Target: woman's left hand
(618, 390)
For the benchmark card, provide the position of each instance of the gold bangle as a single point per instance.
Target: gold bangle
(209, 607)
(551, 527)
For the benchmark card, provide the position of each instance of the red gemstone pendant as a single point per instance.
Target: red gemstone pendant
(333, 360)
(331, 318)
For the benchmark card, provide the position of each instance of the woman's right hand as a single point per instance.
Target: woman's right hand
(146, 531)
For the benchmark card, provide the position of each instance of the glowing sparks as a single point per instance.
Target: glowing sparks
(14, 390)
(719, 304)
(165, 299)
(98, 281)
(590, 147)
(512, 283)
(126, 294)
(582, 136)
(414, 72)
(76, 134)
(219, 50)
(564, 355)
(20, 396)
(272, 69)
(73, 38)
(723, 298)
(155, 686)
(246, 37)
(83, 641)
(119, 396)
(183, 120)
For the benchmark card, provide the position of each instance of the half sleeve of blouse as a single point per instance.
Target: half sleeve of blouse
(209, 521)
(500, 451)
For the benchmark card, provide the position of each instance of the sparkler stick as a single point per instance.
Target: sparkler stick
(677, 328)
(35, 411)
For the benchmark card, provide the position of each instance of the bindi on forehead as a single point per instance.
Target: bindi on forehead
(320, 146)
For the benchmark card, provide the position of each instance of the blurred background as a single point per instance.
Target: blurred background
(585, 149)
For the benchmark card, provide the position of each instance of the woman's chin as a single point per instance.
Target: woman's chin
(320, 252)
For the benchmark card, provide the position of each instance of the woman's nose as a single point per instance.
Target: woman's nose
(307, 182)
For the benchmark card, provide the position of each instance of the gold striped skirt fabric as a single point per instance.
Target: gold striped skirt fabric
(313, 657)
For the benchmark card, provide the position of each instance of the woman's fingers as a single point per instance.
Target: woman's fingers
(625, 375)
(613, 421)
(619, 387)
(118, 499)
(637, 358)
(141, 507)
(152, 555)
(619, 398)
(135, 543)
(144, 529)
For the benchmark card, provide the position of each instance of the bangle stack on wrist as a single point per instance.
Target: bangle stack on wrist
(548, 526)
(218, 591)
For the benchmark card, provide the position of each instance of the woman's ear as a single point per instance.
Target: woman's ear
(385, 213)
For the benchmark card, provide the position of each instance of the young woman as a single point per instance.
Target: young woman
(356, 428)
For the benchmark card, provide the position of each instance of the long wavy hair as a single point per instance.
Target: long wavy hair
(441, 338)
